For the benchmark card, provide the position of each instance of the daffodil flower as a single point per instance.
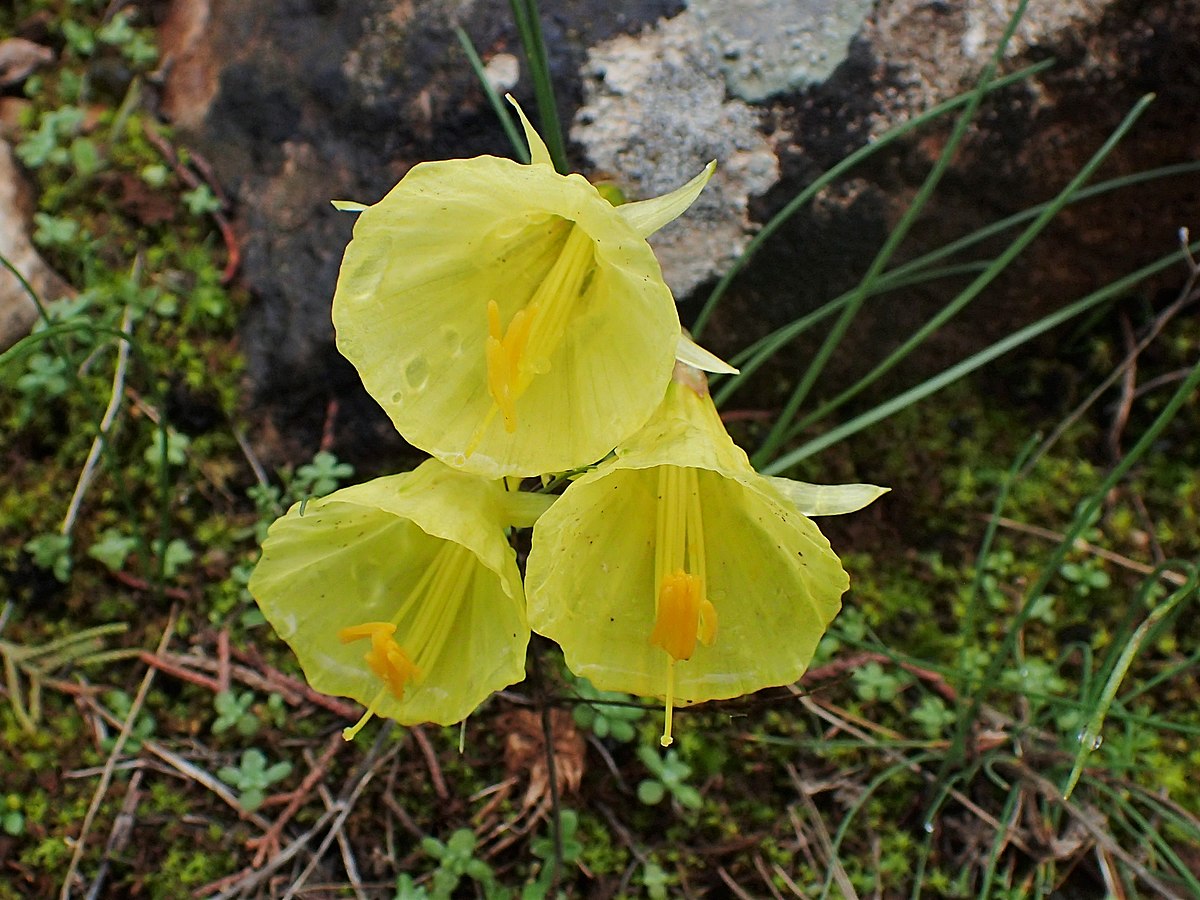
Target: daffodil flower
(510, 320)
(402, 593)
(673, 569)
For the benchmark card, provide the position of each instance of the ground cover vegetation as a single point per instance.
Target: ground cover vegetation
(1004, 706)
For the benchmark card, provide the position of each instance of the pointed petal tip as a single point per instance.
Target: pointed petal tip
(690, 353)
(538, 152)
(348, 205)
(827, 499)
(647, 216)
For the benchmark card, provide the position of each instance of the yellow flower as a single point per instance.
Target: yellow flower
(675, 570)
(509, 320)
(418, 566)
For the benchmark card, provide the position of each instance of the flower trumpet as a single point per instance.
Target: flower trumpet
(509, 319)
(673, 569)
(415, 570)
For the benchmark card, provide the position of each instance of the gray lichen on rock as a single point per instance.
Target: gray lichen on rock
(654, 113)
(766, 47)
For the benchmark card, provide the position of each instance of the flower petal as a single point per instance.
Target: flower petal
(827, 499)
(647, 216)
(771, 576)
(689, 352)
(538, 154)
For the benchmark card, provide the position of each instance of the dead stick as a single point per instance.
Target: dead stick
(268, 843)
(435, 771)
(179, 671)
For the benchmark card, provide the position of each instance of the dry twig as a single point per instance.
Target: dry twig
(266, 845)
(106, 778)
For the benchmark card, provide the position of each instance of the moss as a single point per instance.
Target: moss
(185, 867)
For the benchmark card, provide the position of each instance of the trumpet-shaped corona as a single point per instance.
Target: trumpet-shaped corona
(510, 320)
(419, 566)
(640, 559)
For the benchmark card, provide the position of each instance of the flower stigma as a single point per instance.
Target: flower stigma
(516, 354)
(683, 613)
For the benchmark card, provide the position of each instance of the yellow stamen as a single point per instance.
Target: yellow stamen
(514, 355)
(348, 734)
(678, 622)
(684, 616)
(428, 613)
(386, 659)
(503, 352)
(666, 739)
(683, 613)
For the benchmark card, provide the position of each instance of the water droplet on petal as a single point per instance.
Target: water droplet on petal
(452, 342)
(416, 373)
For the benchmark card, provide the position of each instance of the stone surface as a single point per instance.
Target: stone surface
(654, 114)
(766, 47)
(17, 309)
(19, 57)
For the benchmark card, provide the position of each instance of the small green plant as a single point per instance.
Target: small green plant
(456, 858)
(545, 849)
(932, 715)
(668, 776)
(655, 880)
(53, 553)
(233, 711)
(112, 549)
(606, 713)
(407, 889)
(1085, 577)
(119, 704)
(253, 777)
(12, 816)
(44, 379)
(276, 710)
(176, 555)
(48, 144)
(201, 201)
(319, 477)
(871, 682)
(176, 449)
(1035, 679)
(55, 231)
(135, 44)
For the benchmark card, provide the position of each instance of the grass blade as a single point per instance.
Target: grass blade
(1089, 738)
(985, 278)
(973, 362)
(921, 270)
(783, 424)
(529, 26)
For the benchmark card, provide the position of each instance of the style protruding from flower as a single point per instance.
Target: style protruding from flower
(675, 570)
(510, 320)
(418, 566)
